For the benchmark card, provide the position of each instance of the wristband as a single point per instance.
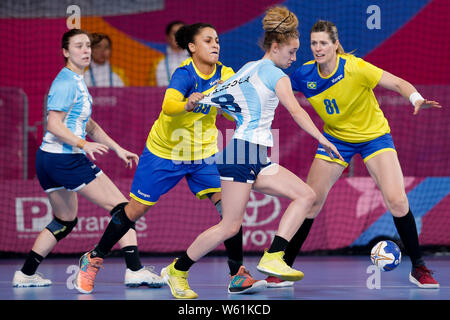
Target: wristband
(81, 143)
(414, 97)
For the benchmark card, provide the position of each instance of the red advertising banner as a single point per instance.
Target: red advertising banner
(179, 217)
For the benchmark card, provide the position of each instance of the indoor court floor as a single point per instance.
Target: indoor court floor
(326, 278)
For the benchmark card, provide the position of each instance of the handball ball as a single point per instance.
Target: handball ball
(386, 255)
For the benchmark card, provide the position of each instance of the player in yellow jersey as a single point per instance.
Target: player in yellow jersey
(340, 88)
(181, 144)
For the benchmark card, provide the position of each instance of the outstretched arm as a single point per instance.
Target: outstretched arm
(284, 92)
(407, 90)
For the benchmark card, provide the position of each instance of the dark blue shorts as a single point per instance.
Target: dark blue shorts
(367, 149)
(155, 176)
(242, 161)
(61, 170)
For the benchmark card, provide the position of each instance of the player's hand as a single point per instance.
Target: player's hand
(219, 110)
(94, 147)
(127, 157)
(425, 104)
(330, 148)
(193, 99)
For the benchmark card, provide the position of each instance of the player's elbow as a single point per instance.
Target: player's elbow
(53, 123)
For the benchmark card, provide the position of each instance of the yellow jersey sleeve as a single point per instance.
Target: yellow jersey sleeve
(173, 103)
(181, 135)
(368, 74)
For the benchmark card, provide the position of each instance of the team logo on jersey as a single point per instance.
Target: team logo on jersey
(311, 85)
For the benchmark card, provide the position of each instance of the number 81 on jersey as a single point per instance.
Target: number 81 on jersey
(331, 106)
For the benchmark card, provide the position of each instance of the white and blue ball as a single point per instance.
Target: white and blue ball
(386, 255)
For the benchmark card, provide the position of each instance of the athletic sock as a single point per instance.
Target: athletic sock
(235, 254)
(407, 230)
(184, 263)
(31, 263)
(234, 266)
(297, 241)
(131, 254)
(278, 244)
(116, 229)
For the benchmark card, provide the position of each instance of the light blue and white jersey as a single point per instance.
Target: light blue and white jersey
(68, 93)
(249, 97)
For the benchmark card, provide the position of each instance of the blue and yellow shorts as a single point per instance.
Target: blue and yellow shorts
(156, 176)
(367, 149)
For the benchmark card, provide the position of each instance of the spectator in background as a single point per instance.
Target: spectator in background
(173, 58)
(101, 73)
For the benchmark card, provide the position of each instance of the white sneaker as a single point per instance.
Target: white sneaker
(144, 276)
(21, 280)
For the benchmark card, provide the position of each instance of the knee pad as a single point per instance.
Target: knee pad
(121, 207)
(60, 229)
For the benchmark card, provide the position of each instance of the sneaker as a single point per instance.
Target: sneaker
(274, 282)
(144, 276)
(21, 280)
(177, 281)
(273, 264)
(422, 277)
(84, 281)
(242, 282)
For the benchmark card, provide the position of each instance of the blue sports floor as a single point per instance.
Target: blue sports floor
(339, 280)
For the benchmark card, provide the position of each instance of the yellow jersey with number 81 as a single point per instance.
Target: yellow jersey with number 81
(344, 100)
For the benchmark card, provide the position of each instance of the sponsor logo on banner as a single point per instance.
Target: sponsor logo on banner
(370, 196)
(32, 214)
(260, 220)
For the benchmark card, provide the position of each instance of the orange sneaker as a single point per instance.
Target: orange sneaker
(243, 282)
(84, 282)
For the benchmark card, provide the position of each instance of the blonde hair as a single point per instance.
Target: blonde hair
(280, 25)
(330, 28)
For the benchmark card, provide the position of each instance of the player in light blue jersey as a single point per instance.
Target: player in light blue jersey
(251, 97)
(62, 167)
